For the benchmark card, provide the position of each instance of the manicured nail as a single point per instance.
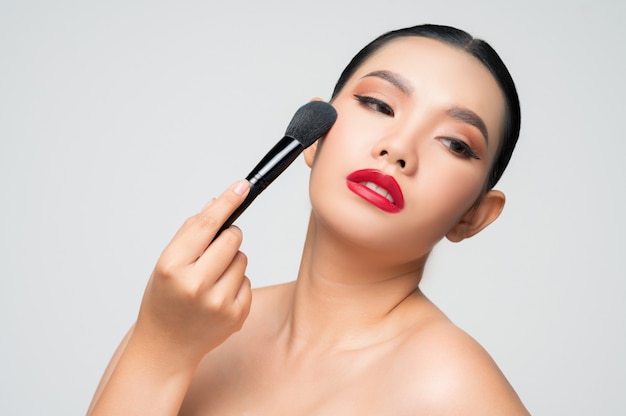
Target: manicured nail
(241, 187)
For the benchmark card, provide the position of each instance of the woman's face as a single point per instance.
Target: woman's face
(417, 131)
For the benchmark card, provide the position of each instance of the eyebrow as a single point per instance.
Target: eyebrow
(395, 79)
(469, 117)
(461, 114)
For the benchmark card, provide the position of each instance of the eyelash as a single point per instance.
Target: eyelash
(459, 148)
(375, 104)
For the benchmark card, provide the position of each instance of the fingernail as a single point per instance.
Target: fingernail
(241, 187)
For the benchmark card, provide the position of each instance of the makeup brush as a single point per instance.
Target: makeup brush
(309, 123)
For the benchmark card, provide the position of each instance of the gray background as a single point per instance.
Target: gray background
(119, 119)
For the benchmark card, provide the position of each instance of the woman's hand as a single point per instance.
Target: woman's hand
(197, 296)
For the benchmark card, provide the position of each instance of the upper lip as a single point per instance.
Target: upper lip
(387, 182)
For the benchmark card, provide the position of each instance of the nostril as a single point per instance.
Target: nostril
(401, 162)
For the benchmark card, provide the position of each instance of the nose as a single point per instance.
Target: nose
(400, 162)
(398, 151)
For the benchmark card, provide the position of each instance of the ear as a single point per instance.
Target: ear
(478, 217)
(309, 152)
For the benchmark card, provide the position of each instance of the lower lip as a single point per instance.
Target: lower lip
(372, 197)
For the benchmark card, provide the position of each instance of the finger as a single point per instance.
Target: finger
(230, 281)
(244, 296)
(223, 295)
(243, 301)
(197, 232)
(215, 261)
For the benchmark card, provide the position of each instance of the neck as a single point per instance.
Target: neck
(346, 297)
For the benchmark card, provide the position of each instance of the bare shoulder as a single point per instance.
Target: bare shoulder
(268, 302)
(231, 368)
(270, 294)
(449, 372)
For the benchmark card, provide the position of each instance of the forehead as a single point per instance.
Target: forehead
(441, 75)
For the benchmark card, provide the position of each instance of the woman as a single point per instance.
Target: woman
(427, 120)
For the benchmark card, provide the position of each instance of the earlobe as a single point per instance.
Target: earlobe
(309, 154)
(479, 217)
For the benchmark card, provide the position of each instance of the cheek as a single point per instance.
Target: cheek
(443, 187)
(448, 194)
(347, 130)
(343, 147)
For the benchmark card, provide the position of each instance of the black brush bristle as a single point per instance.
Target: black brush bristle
(311, 121)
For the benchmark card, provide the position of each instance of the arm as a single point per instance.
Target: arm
(109, 370)
(196, 298)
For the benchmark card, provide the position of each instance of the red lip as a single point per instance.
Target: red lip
(356, 180)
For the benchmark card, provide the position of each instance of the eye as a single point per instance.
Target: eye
(375, 104)
(459, 147)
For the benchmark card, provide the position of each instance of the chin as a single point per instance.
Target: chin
(368, 235)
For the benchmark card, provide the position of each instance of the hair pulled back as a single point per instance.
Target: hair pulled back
(479, 49)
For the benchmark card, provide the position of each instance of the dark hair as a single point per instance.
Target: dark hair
(479, 49)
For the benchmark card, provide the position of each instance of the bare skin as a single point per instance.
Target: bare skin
(353, 335)
(405, 358)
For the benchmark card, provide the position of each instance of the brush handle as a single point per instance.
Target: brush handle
(269, 168)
